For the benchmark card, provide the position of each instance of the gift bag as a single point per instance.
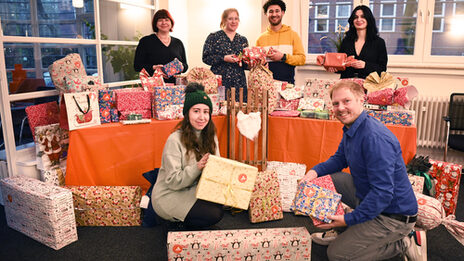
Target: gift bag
(150, 82)
(82, 109)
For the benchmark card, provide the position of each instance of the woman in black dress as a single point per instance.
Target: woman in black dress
(363, 42)
(220, 52)
(160, 48)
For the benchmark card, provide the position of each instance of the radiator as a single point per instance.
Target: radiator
(431, 127)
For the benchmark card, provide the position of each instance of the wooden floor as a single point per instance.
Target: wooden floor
(453, 156)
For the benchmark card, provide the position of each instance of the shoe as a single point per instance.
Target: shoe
(416, 246)
(324, 238)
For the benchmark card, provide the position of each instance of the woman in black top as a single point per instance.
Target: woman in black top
(220, 52)
(363, 42)
(159, 48)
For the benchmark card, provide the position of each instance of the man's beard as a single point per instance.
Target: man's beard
(275, 23)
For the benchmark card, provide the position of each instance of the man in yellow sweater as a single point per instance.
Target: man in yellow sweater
(288, 48)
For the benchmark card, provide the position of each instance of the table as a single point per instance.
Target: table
(115, 154)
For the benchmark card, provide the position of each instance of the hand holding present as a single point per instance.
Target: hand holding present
(310, 175)
(157, 71)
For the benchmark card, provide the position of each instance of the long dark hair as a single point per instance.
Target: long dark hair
(204, 144)
(371, 30)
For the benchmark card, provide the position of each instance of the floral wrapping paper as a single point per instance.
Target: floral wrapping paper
(291, 105)
(288, 174)
(82, 109)
(319, 88)
(216, 105)
(265, 203)
(41, 211)
(146, 114)
(289, 244)
(51, 146)
(173, 67)
(107, 205)
(403, 96)
(417, 183)
(42, 114)
(448, 176)
(69, 66)
(133, 100)
(309, 103)
(381, 97)
(325, 182)
(292, 93)
(181, 79)
(54, 176)
(316, 201)
(219, 79)
(171, 112)
(260, 78)
(227, 182)
(114, 115)
(293, 113)
(83, 83)
(106, 102)
(205, 77)
(169, 95)
(149, 82)
(253, 56)
(403, 117)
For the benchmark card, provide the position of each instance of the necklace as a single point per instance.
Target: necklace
(165, 40)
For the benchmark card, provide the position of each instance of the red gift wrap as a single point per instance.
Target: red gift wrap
(448, 176)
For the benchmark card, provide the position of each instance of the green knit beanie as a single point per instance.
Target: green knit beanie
(196, 97)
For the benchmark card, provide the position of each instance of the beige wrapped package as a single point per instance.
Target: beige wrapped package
(227, 182)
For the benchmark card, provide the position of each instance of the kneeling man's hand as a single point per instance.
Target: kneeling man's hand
(338, 221)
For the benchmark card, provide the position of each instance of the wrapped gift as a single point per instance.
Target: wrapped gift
(42, 114)
(292, 93)
(381, 97)
(41, 211)
(69, 66)
(254, 56)
(215, 101)
(325, 182)
(167, 101)
(227, 182)
(181, 79)
(308, 114)
(173, 67)
(417, 183)
(51, 146)
(265, 203)
(171, 112)
(291, 105)
(83, 83)
(114, 115)
(403, 96)
(145, 114)
(260, 79)
(205, 77)
(448, 176)
(309, 103)
(374, 82)
(245, 244)
(316, 201)
(133, 100)
(149, 82)
(319, 88)
(322, 115)
(107, 205)
(106, 102)
(54, 176)
(338, 61)
(293, 113)
(222, 93)
(288, 173)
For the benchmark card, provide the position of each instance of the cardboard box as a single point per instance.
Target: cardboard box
(41, 211)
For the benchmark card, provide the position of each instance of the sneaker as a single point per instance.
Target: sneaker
(416, 246)
(324, 238)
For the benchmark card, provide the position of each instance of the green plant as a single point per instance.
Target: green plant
(339, 35)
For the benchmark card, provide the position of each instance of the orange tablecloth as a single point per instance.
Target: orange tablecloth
(115, 154)
(312, 141)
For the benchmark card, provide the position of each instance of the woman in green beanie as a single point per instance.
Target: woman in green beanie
(184, 156)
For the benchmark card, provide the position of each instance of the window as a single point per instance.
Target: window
(415, 31)
(321, 23)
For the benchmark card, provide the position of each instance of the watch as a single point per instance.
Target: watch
(284, 58)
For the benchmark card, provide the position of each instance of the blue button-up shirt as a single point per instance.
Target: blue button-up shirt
(373, 154)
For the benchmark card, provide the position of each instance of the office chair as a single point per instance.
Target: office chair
(455, 124)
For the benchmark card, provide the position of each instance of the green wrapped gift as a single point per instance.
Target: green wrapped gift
(308, 114)
(323, 115)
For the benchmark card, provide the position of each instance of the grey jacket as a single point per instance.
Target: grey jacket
(174, 192)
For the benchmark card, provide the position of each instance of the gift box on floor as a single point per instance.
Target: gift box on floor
(107, 205)
(246, 244)
(316, 201)
(227, 182)
(325, 182)
(448, 176)
(51, 146)
(41, 211)
(54, 176)
(288, 174)
(417, 183)
(265, 203)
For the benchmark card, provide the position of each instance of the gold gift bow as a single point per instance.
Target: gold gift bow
(375, 83)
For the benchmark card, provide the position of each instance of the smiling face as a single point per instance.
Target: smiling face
(360, 22)
(231, 22)
(164, 25)
(274, 15)
(347, 106)
(199, 116)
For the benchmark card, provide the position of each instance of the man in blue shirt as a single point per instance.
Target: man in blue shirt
(378, 189)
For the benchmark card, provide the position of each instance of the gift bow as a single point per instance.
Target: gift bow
(374, 82)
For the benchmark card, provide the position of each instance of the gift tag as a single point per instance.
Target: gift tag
(144, 201)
